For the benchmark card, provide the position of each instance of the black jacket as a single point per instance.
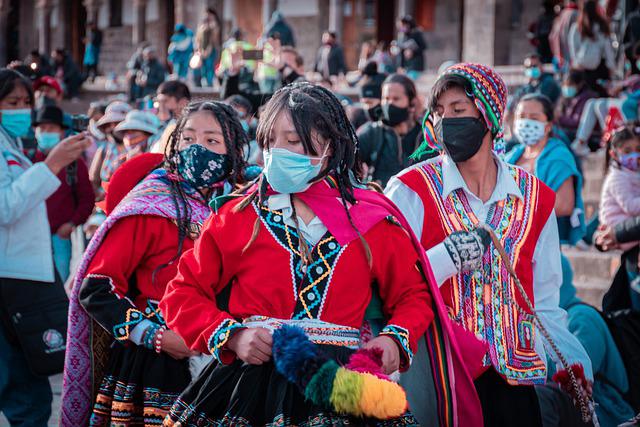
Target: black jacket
(628, 231)
(382, 149)
(335, 61)
(414, 41)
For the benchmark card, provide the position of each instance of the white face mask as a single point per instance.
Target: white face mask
(529, 131)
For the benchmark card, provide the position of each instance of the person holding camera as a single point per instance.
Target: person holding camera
(72, 203)
(27, 275)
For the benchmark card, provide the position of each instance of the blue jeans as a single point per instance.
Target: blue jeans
(25, 399)
(61, 255)
(207, 70)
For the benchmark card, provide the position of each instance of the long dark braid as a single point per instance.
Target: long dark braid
(235, 139)
(315, 109)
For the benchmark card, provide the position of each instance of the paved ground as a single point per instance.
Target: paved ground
(56, 385)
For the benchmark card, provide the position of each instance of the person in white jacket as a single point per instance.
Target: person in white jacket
(25, 245)
(591, 47)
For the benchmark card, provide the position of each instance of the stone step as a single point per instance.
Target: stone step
(592, 265)
(592, 291)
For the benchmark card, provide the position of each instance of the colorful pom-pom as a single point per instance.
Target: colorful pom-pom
(320, 387)
(367, 361)
(291, 348)
(382, 399)
(346, 393)
(358, 389)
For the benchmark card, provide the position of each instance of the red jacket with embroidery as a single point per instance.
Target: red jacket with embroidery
(337, 289)
(122, 270)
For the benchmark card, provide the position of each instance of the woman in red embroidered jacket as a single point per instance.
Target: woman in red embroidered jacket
(127, 266)
(303, 248)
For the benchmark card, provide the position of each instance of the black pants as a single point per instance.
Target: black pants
(504, 405)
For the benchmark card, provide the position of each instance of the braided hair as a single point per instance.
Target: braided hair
(235, 139)
(314, 111)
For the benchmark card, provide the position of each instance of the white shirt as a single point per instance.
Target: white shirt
(547, 269)
(312, 232)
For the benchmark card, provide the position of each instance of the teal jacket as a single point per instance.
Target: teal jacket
(554, 166)
(609, 372)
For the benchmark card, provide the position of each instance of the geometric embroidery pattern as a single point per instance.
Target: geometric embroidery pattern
(310, 284)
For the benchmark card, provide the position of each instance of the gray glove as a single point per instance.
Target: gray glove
(466, 248)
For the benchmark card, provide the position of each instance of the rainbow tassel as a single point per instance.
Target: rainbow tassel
(359, 389)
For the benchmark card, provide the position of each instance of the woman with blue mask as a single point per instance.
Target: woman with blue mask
(548, 158)
(156, 206)
(26, 264)
(305, 248)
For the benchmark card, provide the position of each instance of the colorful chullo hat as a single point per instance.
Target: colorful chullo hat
(489, 95)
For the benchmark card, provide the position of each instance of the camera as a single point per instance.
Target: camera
(79, 122)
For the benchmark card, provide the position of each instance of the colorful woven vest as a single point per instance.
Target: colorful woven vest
(483, 302)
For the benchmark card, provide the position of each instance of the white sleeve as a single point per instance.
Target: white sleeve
(411, 206)
(547, 278)
(21, 194)
(138, 331)
(439, 256)
(408, 202)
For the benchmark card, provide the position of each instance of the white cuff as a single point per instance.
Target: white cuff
(137, 333)
(441, 263)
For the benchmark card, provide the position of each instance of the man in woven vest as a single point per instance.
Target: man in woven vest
(445, 199)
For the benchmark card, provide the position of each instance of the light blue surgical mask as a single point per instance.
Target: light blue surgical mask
(533, 73)
(569, 91)
(289, 172)
(47, 140)
(16, 122)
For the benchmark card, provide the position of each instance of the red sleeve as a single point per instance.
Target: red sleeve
(189, 303)
(405, 295)
(105, 287)
(84, 193)
(117, 257)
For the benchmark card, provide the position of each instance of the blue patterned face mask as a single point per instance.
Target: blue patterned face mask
(203, 168)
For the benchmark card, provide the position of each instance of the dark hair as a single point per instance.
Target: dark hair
(544, 101)
(332, 34)
(239, 101)
(9, 79)
(405, 82)
(576, 77)
(370, 68)
(234, 139)
(588, 17)
(533, 56)
(313, 108)
(443, 84)
(291, 49)
(176, 89)
(629, 131)
(408, 20)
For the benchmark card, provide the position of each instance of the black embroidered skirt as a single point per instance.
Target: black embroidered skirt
(246, 395)
(139, 387)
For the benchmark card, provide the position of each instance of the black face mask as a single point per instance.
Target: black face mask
(288, 75)
(393, 116)
(461, 136)
(374, 113)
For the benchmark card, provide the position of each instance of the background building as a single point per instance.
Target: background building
(481, 30)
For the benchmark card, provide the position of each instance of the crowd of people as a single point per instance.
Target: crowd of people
(287, 256)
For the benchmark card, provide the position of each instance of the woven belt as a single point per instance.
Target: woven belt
(319, 332)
